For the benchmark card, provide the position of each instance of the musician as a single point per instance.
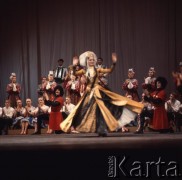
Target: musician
(60, 72)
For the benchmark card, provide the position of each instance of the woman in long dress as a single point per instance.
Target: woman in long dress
(99, 108)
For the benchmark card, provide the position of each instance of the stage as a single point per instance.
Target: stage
(86, 156)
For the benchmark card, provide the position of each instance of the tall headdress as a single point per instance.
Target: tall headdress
(84, 57)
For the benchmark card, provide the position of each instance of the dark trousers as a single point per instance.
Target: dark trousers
(40, 119)
(145, 114)
(5, 123)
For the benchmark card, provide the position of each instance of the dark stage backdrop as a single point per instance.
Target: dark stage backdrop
(34, 34)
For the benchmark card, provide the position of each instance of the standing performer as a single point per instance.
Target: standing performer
(60, 72)
(149, 83)
(42, 87)
(99, 108)
(13, 89)
(178, 81)
(131, 85)
(103, 81)
(50, 85)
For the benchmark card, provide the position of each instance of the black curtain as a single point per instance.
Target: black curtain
(34, 34)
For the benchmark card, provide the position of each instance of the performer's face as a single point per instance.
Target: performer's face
(44, 80)
(28, 101)
(19, 103)
(60, 63)
(143, 95)
(57, 92)
(171, 97)
(68, 100)
(159, 85)
(151, 74)
(51, 78)
(130, 74)
(41, 101)
(91, 61)
(7, 103)
(99, 61)
(14, 79)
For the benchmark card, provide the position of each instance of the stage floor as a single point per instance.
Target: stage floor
(90, 141)
(86, 156)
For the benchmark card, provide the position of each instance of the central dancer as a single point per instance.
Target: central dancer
(99, 109)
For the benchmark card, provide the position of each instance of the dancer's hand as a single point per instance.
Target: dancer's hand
(75, 62)
(114, 57)
(45, 95)
(146, 92)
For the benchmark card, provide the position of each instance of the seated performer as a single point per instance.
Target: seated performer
(6, 119)
(41, 112)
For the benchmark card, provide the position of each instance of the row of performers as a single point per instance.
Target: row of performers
(75, 86)
(29, 116)
(97, 99)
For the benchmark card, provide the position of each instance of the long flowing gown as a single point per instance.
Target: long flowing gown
(99, 109)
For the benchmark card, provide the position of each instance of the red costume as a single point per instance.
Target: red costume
(160, 120)
(56, 117)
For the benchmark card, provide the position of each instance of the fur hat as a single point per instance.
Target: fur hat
(84, 56)
(163, 82)
(131, 70)
(12, 75)
(60, 89)
(51, 73)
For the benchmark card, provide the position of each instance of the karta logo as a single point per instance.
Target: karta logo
(128, 168)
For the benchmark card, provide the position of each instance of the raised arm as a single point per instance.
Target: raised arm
(109, 70)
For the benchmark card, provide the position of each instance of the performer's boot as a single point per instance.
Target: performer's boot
(38, 128)
(140, 131)
(141, 127)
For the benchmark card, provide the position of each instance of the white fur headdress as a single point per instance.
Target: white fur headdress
(84, 56)
(12, 75)
(131, 70)
(51, 73)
